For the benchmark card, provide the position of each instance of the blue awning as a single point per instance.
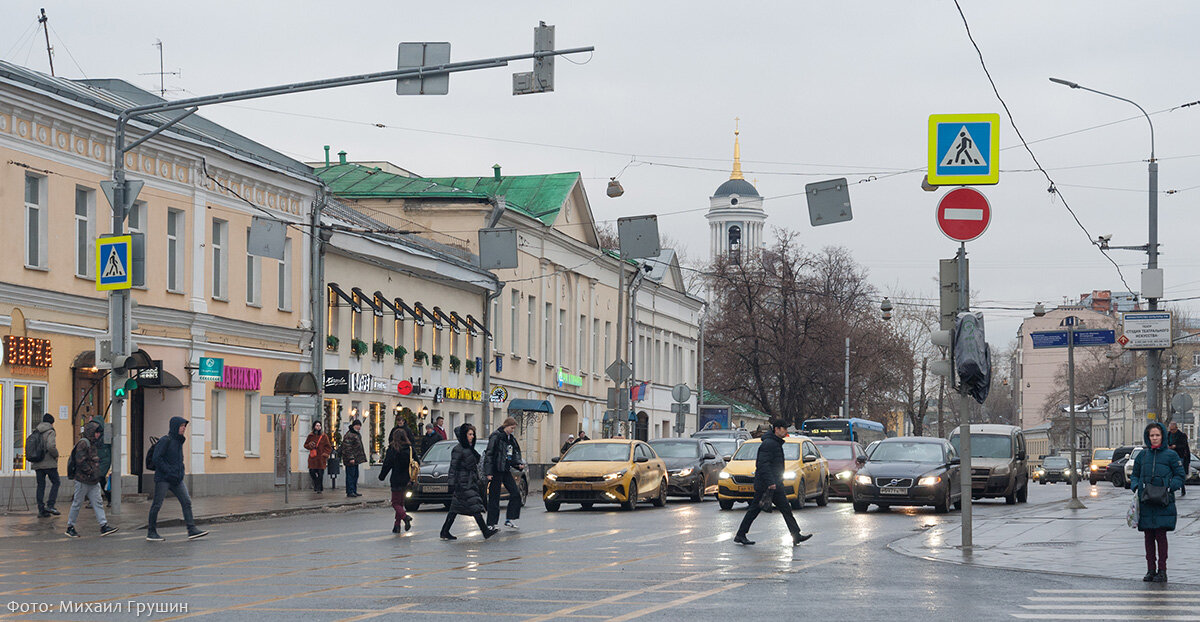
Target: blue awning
(540, 406)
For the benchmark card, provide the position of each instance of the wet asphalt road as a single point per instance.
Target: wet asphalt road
(675, 563)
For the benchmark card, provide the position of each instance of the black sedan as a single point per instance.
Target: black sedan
(433, 482)
(693, 466)
(1115, 472)
(909, 471)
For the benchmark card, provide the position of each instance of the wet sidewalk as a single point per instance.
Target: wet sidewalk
(1050, 538)
(206, 510)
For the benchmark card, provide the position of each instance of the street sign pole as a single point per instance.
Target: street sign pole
(964, 400)
(1074, 503)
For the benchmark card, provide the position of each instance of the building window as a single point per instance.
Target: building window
(250, 434)
(581, 354)
(220, 259)
(216, 437)
(514, 319)
(608, 354)
(1196, 359)
(176, 243)
(437, 341)
(547, 332)
(596, 345)
(356, 327)
(562, 338)
(35, 222)
(497, 333)
(253, 276)
(85, 232)
(285, 277)
(530, 329)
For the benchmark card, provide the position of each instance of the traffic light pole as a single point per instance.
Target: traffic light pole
(964, 419)
(1074, 503)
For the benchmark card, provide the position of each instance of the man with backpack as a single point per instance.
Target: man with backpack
(84, 468)
(41, 451)
(166, 460)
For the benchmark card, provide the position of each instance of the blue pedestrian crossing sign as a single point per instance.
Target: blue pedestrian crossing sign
(964, 149)
(112, 263)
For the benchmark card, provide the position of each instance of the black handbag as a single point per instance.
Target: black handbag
(766, 501)
(1153, 494)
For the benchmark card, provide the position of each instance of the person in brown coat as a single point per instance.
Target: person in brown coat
(353, 455)
(319, 448)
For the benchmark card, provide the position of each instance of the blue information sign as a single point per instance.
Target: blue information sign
(1049, 339)
(1058, 338)
(1095, 337)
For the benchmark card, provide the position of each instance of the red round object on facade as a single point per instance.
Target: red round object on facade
(963, 214)
(404, 387)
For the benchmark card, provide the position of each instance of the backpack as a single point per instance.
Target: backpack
(35, 447)
(150, 466)
(71, 465)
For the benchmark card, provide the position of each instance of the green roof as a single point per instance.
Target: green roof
(738, 407)
(536, 196)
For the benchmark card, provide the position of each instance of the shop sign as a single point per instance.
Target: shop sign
(211, 369)
(360, 382)
(240, 378)
(467, 395)
(27, 352)
(499, 395)
(152, 376)
(404, 387)
(569, 379)
(379, 385)
(337, 381)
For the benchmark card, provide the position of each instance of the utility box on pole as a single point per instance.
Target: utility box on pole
(541, 79)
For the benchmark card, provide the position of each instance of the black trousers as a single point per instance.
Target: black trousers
(779, 498)
(513, 512)
(42, 474)
(450, 522)
(318, 479)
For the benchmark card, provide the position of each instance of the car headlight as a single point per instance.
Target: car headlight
(929, 481)
(1066, 471)
(611, 476)
(552, 477)
(686, 472)
(863, 479)
(845, 475)
(1000, 470)
(1095, 468)
(724, 475)
(789, 476)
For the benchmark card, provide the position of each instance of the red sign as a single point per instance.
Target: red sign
(963, 214)
(241, 378)
(404, 387)
(1122, 340)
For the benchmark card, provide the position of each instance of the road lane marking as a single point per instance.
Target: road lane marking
(721, 537)
(1099, 616)
(675, 603)
(657, 536)
(585, 536)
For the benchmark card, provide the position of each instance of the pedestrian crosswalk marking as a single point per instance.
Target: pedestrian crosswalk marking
(1146, 604)
(964, 151)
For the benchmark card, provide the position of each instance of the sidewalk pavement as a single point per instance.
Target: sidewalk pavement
(206, 510)
(1048, 537)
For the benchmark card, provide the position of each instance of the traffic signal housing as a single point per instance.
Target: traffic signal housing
(122, 391)
(943, 339)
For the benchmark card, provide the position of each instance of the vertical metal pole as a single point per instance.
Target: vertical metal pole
(1153, 357)
(118, 327)
(316, 295)
(846, 379)
(1074, 503)
(618, 413)
(964, 435)
(488, 298)
(700, 380)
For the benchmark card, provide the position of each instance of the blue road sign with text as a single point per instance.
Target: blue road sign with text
(1058, 338)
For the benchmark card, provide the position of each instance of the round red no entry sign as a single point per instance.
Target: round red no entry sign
(963, 214)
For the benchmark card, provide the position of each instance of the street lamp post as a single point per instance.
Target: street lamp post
(1153, 357)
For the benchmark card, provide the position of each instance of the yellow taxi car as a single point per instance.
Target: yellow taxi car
(606, 471)
(1101, 457)
(805, 473)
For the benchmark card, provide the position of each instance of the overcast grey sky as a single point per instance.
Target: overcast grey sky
(823, 90)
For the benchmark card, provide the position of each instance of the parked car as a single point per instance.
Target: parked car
(843, 465)
(726, 442)
(998, 467)
(1101, 458)
(806, 473)
(620, 471)
(1057, 469)
(693, 466)
(1129, 464)
(433, 480)
(1115, 471)
(909, 471)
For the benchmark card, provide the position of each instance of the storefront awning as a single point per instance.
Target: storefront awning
(426, 313)
(409, 310)
(381, 299)
(368, 300)
(474, 323)
(337, 291)
(539, 406)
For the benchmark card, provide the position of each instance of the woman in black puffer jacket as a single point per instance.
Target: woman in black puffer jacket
(466, 486)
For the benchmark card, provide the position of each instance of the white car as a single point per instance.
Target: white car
(1129, 463)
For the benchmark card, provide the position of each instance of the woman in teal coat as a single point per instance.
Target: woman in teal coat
(1159, 466)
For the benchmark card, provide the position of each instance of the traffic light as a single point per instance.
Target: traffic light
(541, 79)
(123, 391)
(943, 339)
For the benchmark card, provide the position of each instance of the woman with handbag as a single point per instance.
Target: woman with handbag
(1157, 474)
(319, 448)
(397, 461)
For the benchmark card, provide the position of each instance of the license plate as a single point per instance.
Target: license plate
(577, 486)
(746, 488)
(436, 489)
(893, 491)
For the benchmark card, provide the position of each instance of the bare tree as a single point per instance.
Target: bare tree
(912, 325)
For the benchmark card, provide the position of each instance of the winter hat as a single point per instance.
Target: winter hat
(355, 422)
(47, 418)
(570, 436)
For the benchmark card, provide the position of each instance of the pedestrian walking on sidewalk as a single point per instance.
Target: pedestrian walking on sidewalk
(1177, 441)
(319, 448)
(396, 461)
(1157, 474)
(169, 470)
(47, 468)
(105, 475)
(466, 487)
(84, 468)
(768, 485)
(353, 455)
(503, 454)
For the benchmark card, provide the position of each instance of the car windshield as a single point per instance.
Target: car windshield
(836, 452)
(1055, 463)
(749, 451)
(987, 445)
(597, 452)
(904, 451)
(676, 450)
(440, 452)
(1103, 454)
(725, 447)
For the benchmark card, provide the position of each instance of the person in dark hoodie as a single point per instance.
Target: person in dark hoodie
(47, 467)
(105, 451)
(465, 485)
(353, 454)
(396, 461)
(168, 475)
(768, 483)
(503, 454)
(86, 461)
(1156, 466)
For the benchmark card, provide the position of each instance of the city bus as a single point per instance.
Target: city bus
(861, 431)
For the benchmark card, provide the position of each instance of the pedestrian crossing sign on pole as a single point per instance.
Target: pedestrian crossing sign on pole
(964, 149)
(112, 263)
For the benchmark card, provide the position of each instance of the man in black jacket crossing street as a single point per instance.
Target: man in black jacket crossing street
(768, 482)
(503, 453)
(169, 470)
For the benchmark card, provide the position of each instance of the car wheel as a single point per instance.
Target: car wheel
(823, 500)
(726, 504)
(552, 506)
(958, 504)
(798, 503)
(523, 486)
(631, 504)
(1023, 492)
(1042, 482)
(944, 506)
(1116, 478)
(661, 499)
(698, 493)
(1011, 499)
(860, 507)
(412, 506)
